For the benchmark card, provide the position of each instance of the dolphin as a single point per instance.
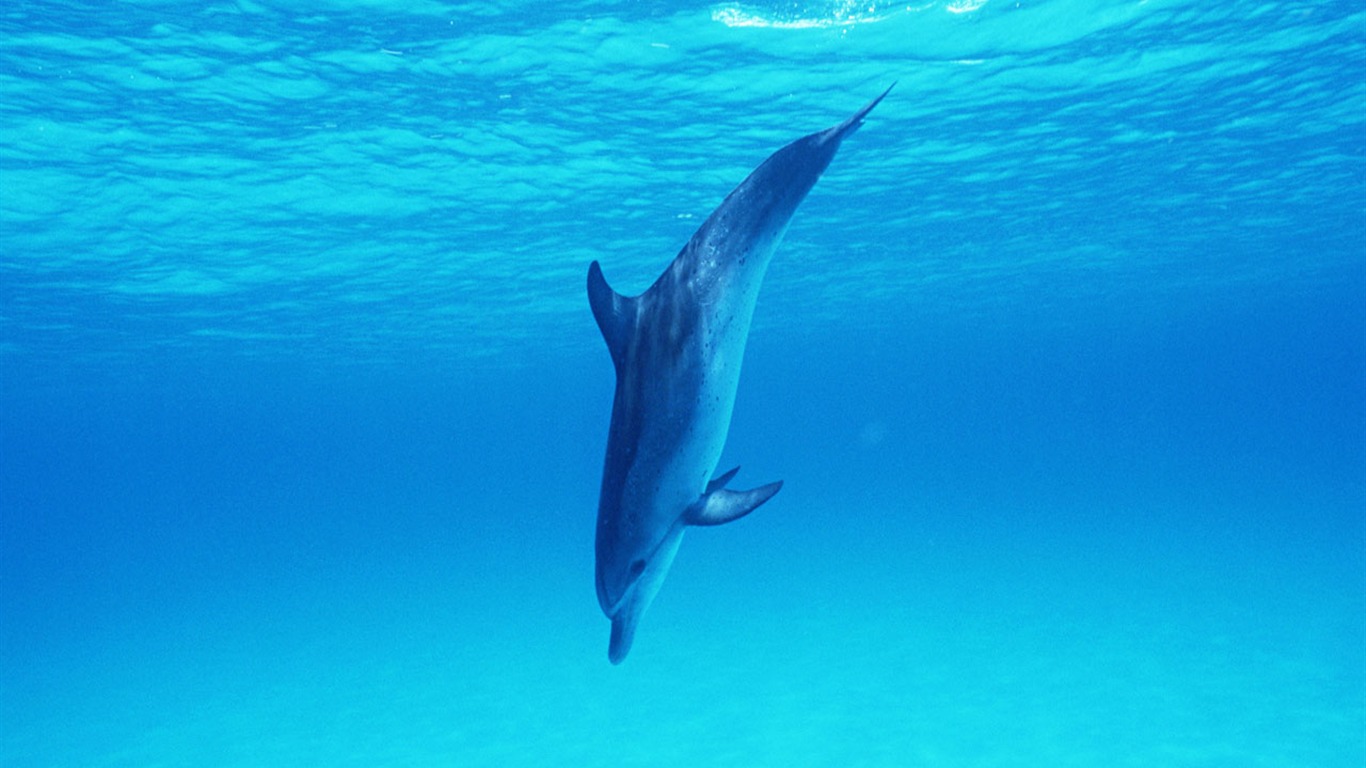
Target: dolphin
(677, 350)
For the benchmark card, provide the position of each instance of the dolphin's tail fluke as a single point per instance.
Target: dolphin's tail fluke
(839, 132)
(781, 182)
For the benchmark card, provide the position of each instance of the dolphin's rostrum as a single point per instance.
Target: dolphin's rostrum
(677, 349)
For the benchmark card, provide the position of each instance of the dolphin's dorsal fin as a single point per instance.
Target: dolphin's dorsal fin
(718, 505)
(616, 314)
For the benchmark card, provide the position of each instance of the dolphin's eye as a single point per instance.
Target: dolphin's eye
(637, 567)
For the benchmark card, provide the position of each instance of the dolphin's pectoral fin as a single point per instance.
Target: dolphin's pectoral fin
(719, 506)
(616, 314)
(720, 482)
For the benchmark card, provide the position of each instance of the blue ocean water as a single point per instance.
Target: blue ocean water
(302, 409)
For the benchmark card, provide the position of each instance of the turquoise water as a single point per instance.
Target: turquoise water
(302, 409)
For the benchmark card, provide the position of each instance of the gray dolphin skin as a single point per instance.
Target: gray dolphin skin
(677, 350)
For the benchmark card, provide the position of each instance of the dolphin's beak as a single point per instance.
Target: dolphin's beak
(623, 633)
(626, 613)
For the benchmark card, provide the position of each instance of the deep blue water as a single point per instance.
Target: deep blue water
(302, 409)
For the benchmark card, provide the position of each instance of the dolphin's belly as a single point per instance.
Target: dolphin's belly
(689, 416)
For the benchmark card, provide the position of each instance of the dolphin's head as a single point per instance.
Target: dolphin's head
(628, 580)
